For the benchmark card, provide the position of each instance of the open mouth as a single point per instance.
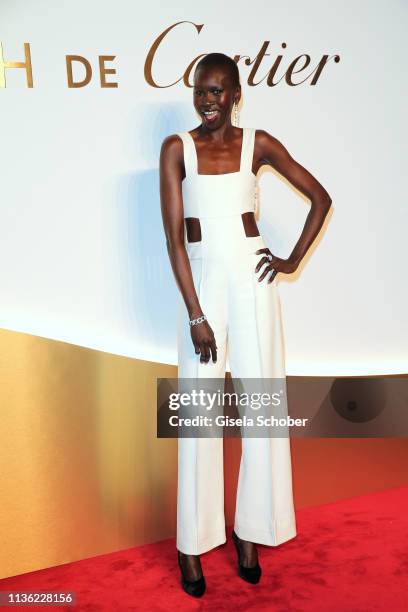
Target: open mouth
(211, 115)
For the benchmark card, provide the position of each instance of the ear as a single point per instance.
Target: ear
(237, 96)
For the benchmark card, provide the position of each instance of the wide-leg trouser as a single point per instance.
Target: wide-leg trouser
(246, 319)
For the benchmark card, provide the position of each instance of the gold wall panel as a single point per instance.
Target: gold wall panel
(81, 470)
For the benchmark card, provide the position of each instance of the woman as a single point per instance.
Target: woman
(207, 190)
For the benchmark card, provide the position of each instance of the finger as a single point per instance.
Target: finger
(205, 354)
(272, 276)
(213, 348)
(267, 270)
(265, 250)
(196, 348)
(261, 262)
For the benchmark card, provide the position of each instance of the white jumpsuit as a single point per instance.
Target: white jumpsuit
(244, 315)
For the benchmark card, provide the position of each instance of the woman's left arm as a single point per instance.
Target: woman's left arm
(272, 152)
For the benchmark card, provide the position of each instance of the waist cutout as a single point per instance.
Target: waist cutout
(223, 240)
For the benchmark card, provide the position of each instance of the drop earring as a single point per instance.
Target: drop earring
(236, 118)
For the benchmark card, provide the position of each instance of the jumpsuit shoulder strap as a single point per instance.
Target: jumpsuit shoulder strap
(190, 162)
(248, 148)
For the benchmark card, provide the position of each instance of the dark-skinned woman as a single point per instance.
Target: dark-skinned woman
(229, 310)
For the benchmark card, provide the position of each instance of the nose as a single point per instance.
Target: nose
(208, 98)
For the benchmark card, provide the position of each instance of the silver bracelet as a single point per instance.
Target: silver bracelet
(199, 320)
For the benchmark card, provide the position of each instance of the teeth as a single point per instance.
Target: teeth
(210, 112)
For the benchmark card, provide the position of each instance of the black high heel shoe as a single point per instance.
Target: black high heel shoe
(250, 574)
(196, 588)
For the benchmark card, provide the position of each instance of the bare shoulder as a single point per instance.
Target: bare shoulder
(171, 145)
(268, 147)
(265, 139)
(172, 155)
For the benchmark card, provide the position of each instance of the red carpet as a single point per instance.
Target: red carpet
(348, 556)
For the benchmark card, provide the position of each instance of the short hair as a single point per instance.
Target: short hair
(212, 60)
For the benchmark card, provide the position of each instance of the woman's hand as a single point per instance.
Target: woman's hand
(204, 341)
(274, 265)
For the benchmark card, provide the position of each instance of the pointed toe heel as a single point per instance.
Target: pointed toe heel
(196, 588)
(250, 574)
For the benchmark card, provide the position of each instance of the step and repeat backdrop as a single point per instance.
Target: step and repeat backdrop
(88, 92)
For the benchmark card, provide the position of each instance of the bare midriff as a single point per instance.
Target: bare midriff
(193, 227)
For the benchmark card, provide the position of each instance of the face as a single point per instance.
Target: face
(214, 96)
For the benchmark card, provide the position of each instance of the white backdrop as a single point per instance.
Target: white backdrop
(82, 250)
